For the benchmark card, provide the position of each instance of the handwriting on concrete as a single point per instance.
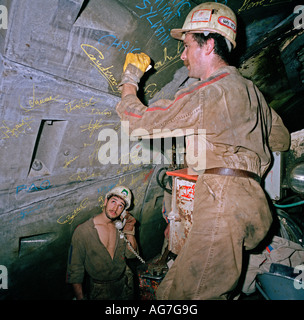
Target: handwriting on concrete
(28, 211)
(15, 130)
(44, 185)
(70, 217)
(160, 13)
(36, 103)
(97, 59)
(112, 41)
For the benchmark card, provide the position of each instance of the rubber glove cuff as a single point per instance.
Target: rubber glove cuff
(131, 75)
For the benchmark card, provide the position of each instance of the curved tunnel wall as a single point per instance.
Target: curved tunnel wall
(61, 61)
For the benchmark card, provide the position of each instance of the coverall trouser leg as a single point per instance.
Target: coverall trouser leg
(229, 213)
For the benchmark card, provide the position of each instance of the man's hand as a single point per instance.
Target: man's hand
(78, 291)
(130, 223)
(134, 67)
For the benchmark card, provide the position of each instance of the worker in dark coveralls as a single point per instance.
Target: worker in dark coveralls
(98, 249)
(230, 210)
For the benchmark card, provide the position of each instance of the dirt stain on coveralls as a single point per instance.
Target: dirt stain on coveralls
(250, 231)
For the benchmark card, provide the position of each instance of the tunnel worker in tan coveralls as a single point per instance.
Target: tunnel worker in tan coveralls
(230, 208)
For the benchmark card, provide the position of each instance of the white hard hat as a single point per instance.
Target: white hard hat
(122, 192)
(210, 17)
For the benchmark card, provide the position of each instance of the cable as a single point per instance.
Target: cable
(290, 205)
(131, 248)
(289, 228)
(161, 182)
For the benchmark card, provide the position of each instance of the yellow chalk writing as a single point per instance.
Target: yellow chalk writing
(250, 4)
(168, 60)
(83, 176)
(16, 130)
(95, 57)
(70, 217)
(35, 103)
(152, 91)
(79, 104)
(68, 162)
(93, 127)
(105, 112)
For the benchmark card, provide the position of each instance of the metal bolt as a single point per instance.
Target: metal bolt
(37, 165)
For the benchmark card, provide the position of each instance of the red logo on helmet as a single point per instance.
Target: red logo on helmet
(226, 22)
(203, 15)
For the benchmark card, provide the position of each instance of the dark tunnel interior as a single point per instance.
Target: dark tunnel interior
(60, 64)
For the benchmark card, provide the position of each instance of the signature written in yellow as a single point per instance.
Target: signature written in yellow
(168, 60)
(68, 162)
(105, 112)
(250, 4)
(92, 127)
(84, 176)
(152, 91)
(35, 103)
(70, 217)
(96, 58)
(79, 104)
(16, 130)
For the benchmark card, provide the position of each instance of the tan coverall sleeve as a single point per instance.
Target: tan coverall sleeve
(279, 138)
(181, 113)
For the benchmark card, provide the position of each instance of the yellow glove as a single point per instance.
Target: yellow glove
(135, 66)
(139, 60)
